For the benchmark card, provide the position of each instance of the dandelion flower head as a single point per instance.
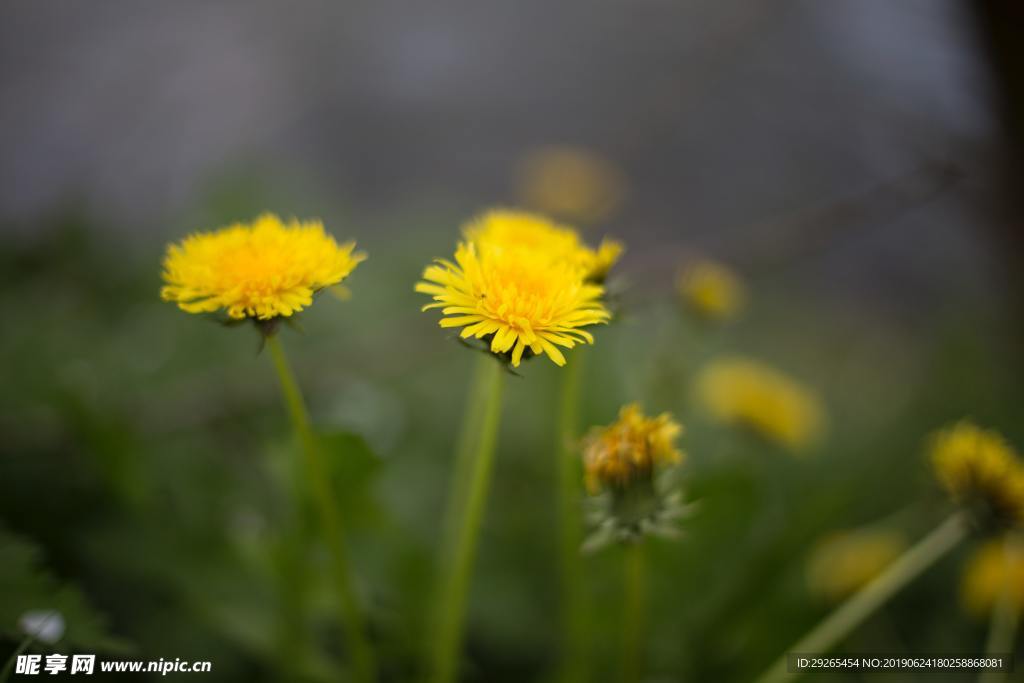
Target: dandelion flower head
(512, 230)
(712, 290)
(629, 449)
(520, 299)
(263, 270)
(750, 394)
(572, 183)
(846, 561)
(992, 569)
(980, 471)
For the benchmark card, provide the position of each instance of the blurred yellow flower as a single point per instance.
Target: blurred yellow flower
(981, 472)
(747, 393)
(509, 229)
(263, 270)
(521, 299)
(843, 562)
(712, 290)
(602, 260)
(571, 183)
(989, 571)
(618, 454)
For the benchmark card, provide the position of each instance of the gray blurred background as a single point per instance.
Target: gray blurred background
(864, 133)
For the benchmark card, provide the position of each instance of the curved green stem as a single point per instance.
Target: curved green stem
(569, 497)
(9, 666)
(634, 610)
(862, 604)
(458, 567)
(363, 665)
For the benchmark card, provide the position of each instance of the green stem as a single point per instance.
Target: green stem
(363, 665)
(292, 571)
(9, 666)
(458, 566)
(862, 604)
(570, 494)
(633, 611)
(469, 434)
(1003, 626)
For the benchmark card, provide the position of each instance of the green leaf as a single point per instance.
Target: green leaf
(353, 468)
(26, 585)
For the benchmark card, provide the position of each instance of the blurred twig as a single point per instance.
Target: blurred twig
(817, 227)
(772, 242)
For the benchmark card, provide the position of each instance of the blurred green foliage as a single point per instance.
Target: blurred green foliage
(146, 461)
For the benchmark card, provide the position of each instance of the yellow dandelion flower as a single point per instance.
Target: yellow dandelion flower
(263, 270)
(980, 471)
(572, 183)
(843, 562)
(629, 449)
(712, 290)
(747, 393)
(517, 298)
(989, 571)
(508, 229)
(599, 262)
